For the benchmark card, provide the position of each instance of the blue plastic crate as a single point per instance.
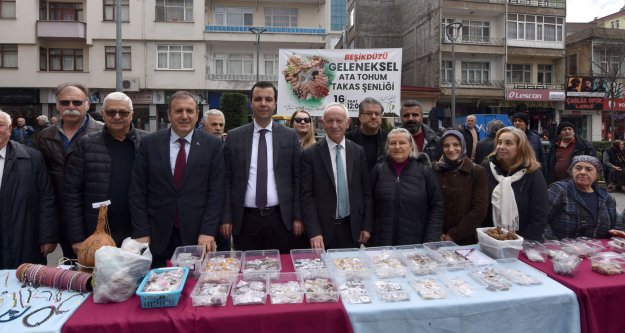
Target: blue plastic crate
(161, 299)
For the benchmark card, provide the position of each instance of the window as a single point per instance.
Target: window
(519, 73)
(271, 63)
(8, 55)
(63, 11)
(7, 8)
(109, 10)
(60, 60)
(234, 64)
(280, 17)
(233, 16)
(475, 72)
(572, 64)
(609, 61)
(338, 16)
(535, 28)
(545, 74)
(446, 71)
(614, 24)
(174, 57)
(475, 31)
(351, 17)
(109, 57)
(174, 10)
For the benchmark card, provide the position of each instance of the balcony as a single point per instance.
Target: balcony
(539, 3)
(534, 85)
(241, 77)
(492, 84)
(483, 1)
(62, 30)
(279, 30)
(476, 40)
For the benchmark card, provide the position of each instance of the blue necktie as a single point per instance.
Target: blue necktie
(341, 186)
(261, 168)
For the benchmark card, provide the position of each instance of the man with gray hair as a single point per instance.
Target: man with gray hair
(337, 205)
(29, 226)
(58, 142)
(214, 122)
(100, 169)
(471, 135)
(487, 145)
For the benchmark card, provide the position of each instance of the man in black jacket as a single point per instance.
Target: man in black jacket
(426, 140)
(369, 134)
(100, 169)
(29, 228)
(521, 121)
(563, 151)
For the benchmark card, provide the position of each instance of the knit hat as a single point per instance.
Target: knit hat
(588, 159)
(564, 124)
(523, 116)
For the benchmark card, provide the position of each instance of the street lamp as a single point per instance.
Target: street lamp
(257, 32)
(452, 31)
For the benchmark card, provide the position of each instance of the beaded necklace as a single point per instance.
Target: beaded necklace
(27, 324)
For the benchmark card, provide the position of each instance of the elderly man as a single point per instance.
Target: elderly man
(100, 169)
(426, 140)
(28, 229)
(176, 195)
(336, 190)
(54, 121)
(369, 135)
(262, 208)
(521, 121)
(471, 136)
(563, 151)
(23, 133)
(214, 122)
(58, 142)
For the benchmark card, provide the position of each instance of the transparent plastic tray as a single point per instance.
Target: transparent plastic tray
(520, 273)
(307, 259)
(385, 262)
(418, 259)
(319, 286)
(392, 290)
(429, 287)
(249, 289)
(212, 289)
(286, 289)
(223, 261)
(190, 257)
(262, 261)
(346, 263)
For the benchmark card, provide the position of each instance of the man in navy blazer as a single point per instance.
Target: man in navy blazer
(262, 208)
(327, 225)
(176, 199)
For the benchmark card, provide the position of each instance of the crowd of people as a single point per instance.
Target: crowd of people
(267, 186)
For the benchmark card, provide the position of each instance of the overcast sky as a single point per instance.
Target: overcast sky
(587, 10)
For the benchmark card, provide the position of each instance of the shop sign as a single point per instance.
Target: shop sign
(536, 95)
(584, 103)
(142, 97)
(578, 112)
(617, 105)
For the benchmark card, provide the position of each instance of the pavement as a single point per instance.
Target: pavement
(619, 197)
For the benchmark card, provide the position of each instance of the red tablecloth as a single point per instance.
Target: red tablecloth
(129, 317)
(601, 298)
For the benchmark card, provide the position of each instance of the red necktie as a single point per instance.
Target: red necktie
(181, 163)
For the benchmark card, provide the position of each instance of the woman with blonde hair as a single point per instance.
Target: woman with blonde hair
(517, 188)
(304, 127)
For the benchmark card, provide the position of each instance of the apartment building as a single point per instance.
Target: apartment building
(204, 46)
(508, 54)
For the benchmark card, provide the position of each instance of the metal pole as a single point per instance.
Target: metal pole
(452, 30)
(257, 32)
(118, 46)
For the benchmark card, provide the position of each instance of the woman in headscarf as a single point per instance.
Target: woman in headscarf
(408, 202)
(517, 188)
(304, 127)
(465, 190)
(578, 206)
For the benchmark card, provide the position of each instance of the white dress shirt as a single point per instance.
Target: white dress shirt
(174, 147)
(3, 154)
(332, 148)
(272, 189)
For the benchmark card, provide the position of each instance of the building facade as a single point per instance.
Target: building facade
(204, 46)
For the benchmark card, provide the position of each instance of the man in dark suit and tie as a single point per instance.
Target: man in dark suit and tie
(176, 196)
(262, 208)
(336, 192)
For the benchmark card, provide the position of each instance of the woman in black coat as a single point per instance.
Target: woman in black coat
(408, 202)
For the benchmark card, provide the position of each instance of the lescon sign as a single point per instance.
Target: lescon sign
(528, 95)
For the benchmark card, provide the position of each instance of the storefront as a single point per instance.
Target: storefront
(613, 119)
(21, 103)
(540, 104)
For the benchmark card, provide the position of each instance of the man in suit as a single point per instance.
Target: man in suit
(176, 196)
(262, 208)
(336, 192)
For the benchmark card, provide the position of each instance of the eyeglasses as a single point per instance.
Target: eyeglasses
(371, 114)
(112, 113)
(299, 120)
(65, 102)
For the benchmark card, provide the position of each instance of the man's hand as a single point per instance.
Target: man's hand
(47, 248)
(208, 242)
(364, 237)
(144, 240)
(298, 228)
(317, 242)
(617, 233)
(75, 247)
(226, 230)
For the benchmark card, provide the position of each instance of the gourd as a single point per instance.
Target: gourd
(101, 237)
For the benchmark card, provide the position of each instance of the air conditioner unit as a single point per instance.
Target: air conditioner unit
(130, 84)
